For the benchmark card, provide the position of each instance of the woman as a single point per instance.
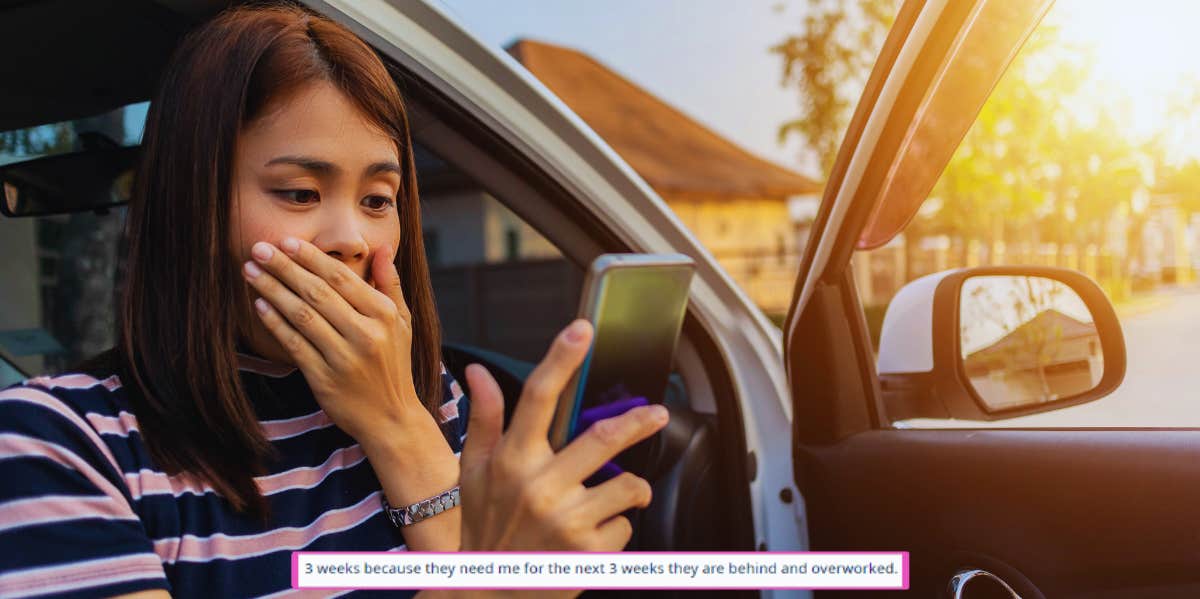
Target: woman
(277, 385)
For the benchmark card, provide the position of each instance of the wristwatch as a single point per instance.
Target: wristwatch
(421, 510)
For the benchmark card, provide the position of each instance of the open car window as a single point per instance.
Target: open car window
(499, 284)
(1084, 158)
(62, 271)
(61, 268)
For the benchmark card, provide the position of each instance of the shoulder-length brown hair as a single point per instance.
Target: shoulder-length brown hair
(183, 292)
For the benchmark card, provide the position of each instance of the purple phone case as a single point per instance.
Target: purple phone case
(590, 416)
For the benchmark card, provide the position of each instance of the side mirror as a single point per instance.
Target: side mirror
(996, 342)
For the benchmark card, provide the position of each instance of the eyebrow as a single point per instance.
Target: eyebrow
(325, 167)
(384, 167)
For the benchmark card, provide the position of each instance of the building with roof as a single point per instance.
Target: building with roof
(1051, 356)
(739, 205)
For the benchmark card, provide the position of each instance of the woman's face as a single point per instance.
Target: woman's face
(314, 168)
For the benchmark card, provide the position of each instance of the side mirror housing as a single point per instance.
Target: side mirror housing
(997, 342)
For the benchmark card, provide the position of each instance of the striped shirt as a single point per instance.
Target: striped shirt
(85, 512)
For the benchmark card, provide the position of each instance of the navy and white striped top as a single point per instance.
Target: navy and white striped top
(85, 512)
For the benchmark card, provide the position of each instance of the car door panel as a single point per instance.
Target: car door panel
(1071, 512)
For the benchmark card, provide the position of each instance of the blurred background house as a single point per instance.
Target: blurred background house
(752, 214)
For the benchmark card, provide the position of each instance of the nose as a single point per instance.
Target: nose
(341, 236)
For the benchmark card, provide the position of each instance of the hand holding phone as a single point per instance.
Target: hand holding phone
(636, 304)
(520, 495)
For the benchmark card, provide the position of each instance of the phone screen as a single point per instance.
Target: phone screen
(637, 313)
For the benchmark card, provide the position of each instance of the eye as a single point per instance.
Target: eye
(378, 203)
(302, 197)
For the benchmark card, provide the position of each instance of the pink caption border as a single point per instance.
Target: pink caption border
(904, 565)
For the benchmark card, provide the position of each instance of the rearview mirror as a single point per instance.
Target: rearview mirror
(998, 342)
(64, 183)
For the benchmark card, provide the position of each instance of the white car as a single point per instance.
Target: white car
(779, 441)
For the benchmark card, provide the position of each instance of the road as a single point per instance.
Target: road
(1162, 382)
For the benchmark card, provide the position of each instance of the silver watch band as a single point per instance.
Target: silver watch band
(421, 510)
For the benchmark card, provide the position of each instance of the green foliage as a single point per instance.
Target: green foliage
(828, 63)
(1051, 157)
(1034, 169)
(48, 139)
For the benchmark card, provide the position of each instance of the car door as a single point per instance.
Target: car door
(1049, 512)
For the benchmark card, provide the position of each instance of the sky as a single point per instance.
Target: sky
(994, 306)
(708, 58)
(1146, 54)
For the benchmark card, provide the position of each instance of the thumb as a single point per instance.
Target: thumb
(486, 420)
(386, 278)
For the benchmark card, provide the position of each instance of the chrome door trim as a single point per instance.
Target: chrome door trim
(958, 582)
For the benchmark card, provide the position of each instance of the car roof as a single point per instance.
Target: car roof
(109, 53)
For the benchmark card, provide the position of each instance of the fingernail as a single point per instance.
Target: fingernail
(253, 270)
(261, 305)
(576, 331)
(262, 251)
(658, 413)
(290, 245)
(478, 368)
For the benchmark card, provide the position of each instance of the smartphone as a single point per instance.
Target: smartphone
(636, 304)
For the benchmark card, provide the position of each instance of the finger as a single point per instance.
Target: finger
(486, 420)
(352, 288)
(604, 439)
(299, 315)
(387, 279)
(531, 418)
(308, 287)
(294, 343)
(615, 496)
(613, 534)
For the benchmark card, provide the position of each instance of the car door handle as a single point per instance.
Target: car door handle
(985, 585)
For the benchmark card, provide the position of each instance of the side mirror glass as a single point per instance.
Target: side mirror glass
(1027, 340)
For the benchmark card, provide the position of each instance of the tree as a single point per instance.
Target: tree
(828, 63)
(1043, 162)
(1013, 333)
(996, 184)
(1052, 156)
